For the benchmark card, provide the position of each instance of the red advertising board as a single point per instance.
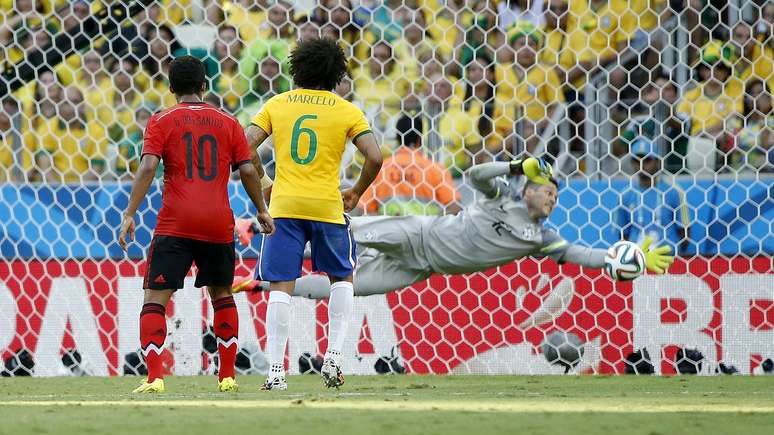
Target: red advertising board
(491, 322)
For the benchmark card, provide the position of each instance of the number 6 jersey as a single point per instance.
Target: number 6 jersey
(310, 129)
(200, 146)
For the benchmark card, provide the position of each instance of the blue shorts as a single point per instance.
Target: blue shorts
(282, 253)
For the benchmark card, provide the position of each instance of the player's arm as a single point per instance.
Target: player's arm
(561, 251)
(657, 260)
(255, 137)
(366, 144)
(142, 181)
(484, 176)
(252, 184)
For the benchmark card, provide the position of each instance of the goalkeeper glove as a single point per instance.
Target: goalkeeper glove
(657, 260)
(537, 170)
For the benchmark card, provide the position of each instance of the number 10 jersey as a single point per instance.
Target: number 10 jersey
(310, 129)
(200, 146)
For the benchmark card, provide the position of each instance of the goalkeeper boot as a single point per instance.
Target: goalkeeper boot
(331, 374)
(157, 386)
(276, 383)
(228, 385)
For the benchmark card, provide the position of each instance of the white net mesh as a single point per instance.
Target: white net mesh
(657, 117)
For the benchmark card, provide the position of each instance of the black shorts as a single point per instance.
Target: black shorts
(170, 259)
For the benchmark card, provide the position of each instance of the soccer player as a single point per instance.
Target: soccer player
(310, 126)
(199, 145)
(505, 225)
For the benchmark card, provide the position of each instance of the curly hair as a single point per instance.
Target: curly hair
(186, 75)
(318, 64)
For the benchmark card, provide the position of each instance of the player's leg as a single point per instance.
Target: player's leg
(375, 273)
(378, 273)
(216, 262)
(169, 259)
(280, 262)
(389, 234)
(333, 252)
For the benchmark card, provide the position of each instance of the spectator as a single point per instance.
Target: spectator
(714, 101)
(765, 25)
(120, 43)
(248, 17)
(93, 74)
(157, 51)
(752, 60)
(11, 142)
(308, 29)
(604, 36)
(530, 88)
(115, 106)
(511, 11)
(655, 119)
(414, 45)
(73, 145)
(380, 85)
(75, 15)
(267, 83)
(449, 132)
(650, 206)
(384, 22)
(161, 47)
(336, 15)
(479, 106)
(410, 183)
(753, 139)
(47, 95)
(480, 35)
(563, 42)
(130, 149)
(228, 84)
(276, 45)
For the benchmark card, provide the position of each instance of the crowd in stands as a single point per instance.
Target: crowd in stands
(445, 84)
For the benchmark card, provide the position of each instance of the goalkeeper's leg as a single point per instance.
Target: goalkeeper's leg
(376, 273)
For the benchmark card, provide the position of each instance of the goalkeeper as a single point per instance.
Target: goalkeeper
(504, 226)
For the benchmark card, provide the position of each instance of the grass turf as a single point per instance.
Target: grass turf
(395, 405)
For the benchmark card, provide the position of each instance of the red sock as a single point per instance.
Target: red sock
(153, 332)
(226, 330)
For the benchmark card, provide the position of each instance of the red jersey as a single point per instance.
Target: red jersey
(199, 146)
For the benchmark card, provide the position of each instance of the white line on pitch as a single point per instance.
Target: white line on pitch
(473, 406)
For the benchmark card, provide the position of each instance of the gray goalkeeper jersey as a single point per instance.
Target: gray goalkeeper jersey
(495, 230)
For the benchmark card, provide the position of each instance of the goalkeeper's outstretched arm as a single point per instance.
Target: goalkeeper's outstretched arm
(485, 177)
(657, 259)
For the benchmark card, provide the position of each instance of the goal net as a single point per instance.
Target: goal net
(657, 117)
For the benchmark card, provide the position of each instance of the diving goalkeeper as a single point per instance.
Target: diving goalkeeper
(506, 225)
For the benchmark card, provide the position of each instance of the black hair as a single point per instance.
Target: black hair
(409, 129)
(531, 184)
(318, 63)
(186, 76)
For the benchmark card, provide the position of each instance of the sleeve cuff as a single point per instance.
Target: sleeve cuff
(361, 134)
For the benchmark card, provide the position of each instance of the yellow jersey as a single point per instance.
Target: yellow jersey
(310, 130)
(74, 151)
(707, 111)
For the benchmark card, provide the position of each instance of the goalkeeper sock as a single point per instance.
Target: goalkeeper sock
(153, 333)
(226, 325)
(277, 326)
(339, 314)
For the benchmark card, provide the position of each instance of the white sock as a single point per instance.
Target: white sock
(277, 326)
(339, 315)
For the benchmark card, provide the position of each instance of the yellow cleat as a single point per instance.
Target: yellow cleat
(157, 386)
(228, 385)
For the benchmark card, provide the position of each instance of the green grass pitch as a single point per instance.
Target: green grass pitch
(472, 405)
